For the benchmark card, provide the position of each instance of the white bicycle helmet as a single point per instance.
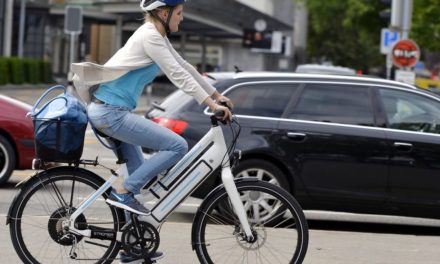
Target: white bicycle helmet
(150, 5)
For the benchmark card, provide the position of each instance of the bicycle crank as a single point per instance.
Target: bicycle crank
(140, 240)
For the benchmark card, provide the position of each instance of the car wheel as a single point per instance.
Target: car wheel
(7, 159)
(263, 170)
(252, 201)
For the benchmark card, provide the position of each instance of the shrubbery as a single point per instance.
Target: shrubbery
(4, 71)
(18, 71)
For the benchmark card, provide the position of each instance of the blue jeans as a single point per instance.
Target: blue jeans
(135, 132)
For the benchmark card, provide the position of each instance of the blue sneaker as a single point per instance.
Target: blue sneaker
(127, 202)
(127, 259)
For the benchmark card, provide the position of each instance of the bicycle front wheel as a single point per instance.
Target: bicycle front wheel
(42, 210)
(277, 221)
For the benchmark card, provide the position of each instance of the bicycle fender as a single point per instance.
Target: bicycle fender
(216, 190)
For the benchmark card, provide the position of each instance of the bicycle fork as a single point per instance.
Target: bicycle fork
(237, 204)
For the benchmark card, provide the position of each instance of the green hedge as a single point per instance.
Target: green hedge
(4, 71)
(18, 71)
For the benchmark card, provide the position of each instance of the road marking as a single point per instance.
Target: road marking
(24, 173)
(89, 141)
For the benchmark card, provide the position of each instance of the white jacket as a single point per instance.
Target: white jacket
(145, 46)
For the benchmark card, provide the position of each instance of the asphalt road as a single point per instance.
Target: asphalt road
(335, 238)
(331, 242)
(346, 239)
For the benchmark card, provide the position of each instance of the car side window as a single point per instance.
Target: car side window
(334, 103)
(265, 99)
(410, 111)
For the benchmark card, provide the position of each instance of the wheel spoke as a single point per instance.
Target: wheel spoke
(260, 174)
(256, 212)
(274, 182)
(42, 210)
(266, 206)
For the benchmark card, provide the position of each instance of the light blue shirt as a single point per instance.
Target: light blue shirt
(126, 90)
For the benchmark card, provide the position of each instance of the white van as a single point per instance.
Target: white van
(324, 69)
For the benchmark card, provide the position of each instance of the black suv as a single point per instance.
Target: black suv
(343, 143)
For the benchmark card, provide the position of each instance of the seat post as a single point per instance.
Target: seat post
(119, 154)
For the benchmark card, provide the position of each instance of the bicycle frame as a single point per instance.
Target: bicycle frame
(172, 189)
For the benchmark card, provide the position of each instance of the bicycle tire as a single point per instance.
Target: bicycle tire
(37, 210)
(218, 238)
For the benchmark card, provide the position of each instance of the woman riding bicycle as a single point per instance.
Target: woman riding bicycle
(123, 78)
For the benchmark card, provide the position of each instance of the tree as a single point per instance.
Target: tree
(345, 32)
(426, 24)
(348, 32)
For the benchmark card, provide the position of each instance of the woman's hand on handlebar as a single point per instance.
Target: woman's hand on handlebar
(221, 98)
(226, 100)
(227, 115)
(217, 109)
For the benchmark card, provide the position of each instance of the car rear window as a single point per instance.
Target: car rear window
(345, 104)
(265, 99)
(410, 111)
(175, 101)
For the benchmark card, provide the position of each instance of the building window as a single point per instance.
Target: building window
(193, 54)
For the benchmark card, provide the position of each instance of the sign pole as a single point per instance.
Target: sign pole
(7, 34)
(389, 65)
(21, 28)
(71, 60)
(72, 48)
(406, 18)
(73, 26)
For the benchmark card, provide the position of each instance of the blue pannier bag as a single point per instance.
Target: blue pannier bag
(59, 127)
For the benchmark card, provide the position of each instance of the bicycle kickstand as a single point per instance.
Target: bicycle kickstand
(147, 260)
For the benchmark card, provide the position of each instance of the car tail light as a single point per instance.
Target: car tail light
(177, 126)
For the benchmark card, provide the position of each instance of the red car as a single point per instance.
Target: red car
(16, 137)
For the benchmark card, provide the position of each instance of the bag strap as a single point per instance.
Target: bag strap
(56, 87)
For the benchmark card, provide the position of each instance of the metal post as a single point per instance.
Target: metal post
(396, 15)
(7, 34)
(2, 22)
(21, 28)
(149, 94)
(389, 65)
(182, 44)
(72, 48)
(406, 18)
(118, 38)
(203, 66)
(71, 60)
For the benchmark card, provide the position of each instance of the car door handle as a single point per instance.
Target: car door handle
(403, 146)
(296, 136)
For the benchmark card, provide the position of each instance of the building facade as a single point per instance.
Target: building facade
(2, 23)
(210, 37)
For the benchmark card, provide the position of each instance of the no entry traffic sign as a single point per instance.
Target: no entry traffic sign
(405, 53)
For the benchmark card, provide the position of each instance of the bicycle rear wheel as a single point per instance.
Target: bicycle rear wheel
(277, 221)
(43, 205)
